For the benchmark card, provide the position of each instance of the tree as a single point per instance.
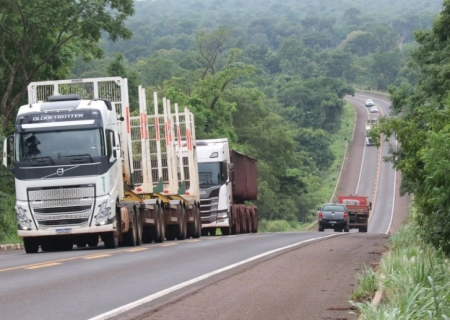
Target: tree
(420, 124)
(40, 40)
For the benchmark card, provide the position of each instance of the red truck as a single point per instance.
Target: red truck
(359, 208)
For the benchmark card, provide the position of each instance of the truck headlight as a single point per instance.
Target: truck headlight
(103, 213)
(22, 219)
(222, 215)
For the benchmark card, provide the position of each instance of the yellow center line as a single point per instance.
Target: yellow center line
(137, 249)
(193, 240)
(212, 238)
(168, 244)
(97, 256)
(43, 265)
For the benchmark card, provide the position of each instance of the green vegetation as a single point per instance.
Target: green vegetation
(269, 76)
(420, 122)
(415, 280)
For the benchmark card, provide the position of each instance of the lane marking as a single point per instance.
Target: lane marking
(393, 199)
(104, 255)
(196, 240)
(168, 244)
(137, 249)
(364, 152)
(43, 266)
(162, 293)
(212, 238)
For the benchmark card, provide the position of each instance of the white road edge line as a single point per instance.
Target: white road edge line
(164, 292)
(393, 198)
(364, 154)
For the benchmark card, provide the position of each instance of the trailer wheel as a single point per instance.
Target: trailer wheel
(234, 220)
(161, 234)
(249, 214)
(182, 226)
(199, 222)
(255, 219)
(31, 244)
(192, 228)
(243, 219)
(362, 229)
(139, 228)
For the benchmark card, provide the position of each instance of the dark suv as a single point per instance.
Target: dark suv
(333, 215)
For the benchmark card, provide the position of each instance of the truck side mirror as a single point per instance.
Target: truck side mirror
(230, 172)
(8, 152)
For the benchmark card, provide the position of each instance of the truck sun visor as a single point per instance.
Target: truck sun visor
(60, 105)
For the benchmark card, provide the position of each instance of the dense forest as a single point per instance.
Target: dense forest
(271, 76)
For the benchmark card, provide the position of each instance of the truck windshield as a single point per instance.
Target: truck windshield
(212, 174)
(59, 144)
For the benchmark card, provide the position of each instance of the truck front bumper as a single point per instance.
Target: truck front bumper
(65, 230)
(215, 219)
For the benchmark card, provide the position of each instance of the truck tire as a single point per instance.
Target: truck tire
(362, 229)
(81, 244)
(243, 219)
(320, 228)
(204, 232)
(235, 225)
(192, 227)
(31, 244)
(110, 239)
(92, 241)
(130, 237)
(248, 213)
(162, 227)
(139, 228)
(226, 231)
(199, 222)
(182, 226)
(255, 219)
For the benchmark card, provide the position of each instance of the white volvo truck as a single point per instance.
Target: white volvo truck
(227, 180)
(85, 169)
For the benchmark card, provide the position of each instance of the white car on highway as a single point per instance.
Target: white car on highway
(374, 109)
(369, 103)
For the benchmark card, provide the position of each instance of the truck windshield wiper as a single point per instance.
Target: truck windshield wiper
(42, 158)
(79, 155)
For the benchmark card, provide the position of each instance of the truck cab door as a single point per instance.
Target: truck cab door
(8, 152)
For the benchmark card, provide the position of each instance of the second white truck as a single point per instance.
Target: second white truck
(227, 180)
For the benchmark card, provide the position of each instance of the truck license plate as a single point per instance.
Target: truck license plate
(332, 221)
(64, 230)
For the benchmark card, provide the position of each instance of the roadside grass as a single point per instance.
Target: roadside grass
(415, 280)
(325, 193)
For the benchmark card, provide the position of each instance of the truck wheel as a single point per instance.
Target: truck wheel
(249, 215)
(193, 226)
(234, 220)
(225, 231)
(130, 238)
(199, 222)
(110, 239)
(182, 226)
(92, 241)
(161, 236)
(243, 219)
(139, 228)
(320, 228)
(81, 244)
(362, 229)
(31, 244)
(255, 219)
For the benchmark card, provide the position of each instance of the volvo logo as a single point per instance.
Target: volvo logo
(60, 171)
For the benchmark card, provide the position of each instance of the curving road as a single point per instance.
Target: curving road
(292, 275)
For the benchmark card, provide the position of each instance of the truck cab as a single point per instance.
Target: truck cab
(214, 169)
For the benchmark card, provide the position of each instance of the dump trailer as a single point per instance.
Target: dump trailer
(228, 179)
(84, 169)
(359, 209)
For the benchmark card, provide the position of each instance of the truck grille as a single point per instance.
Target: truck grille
(63, 206)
